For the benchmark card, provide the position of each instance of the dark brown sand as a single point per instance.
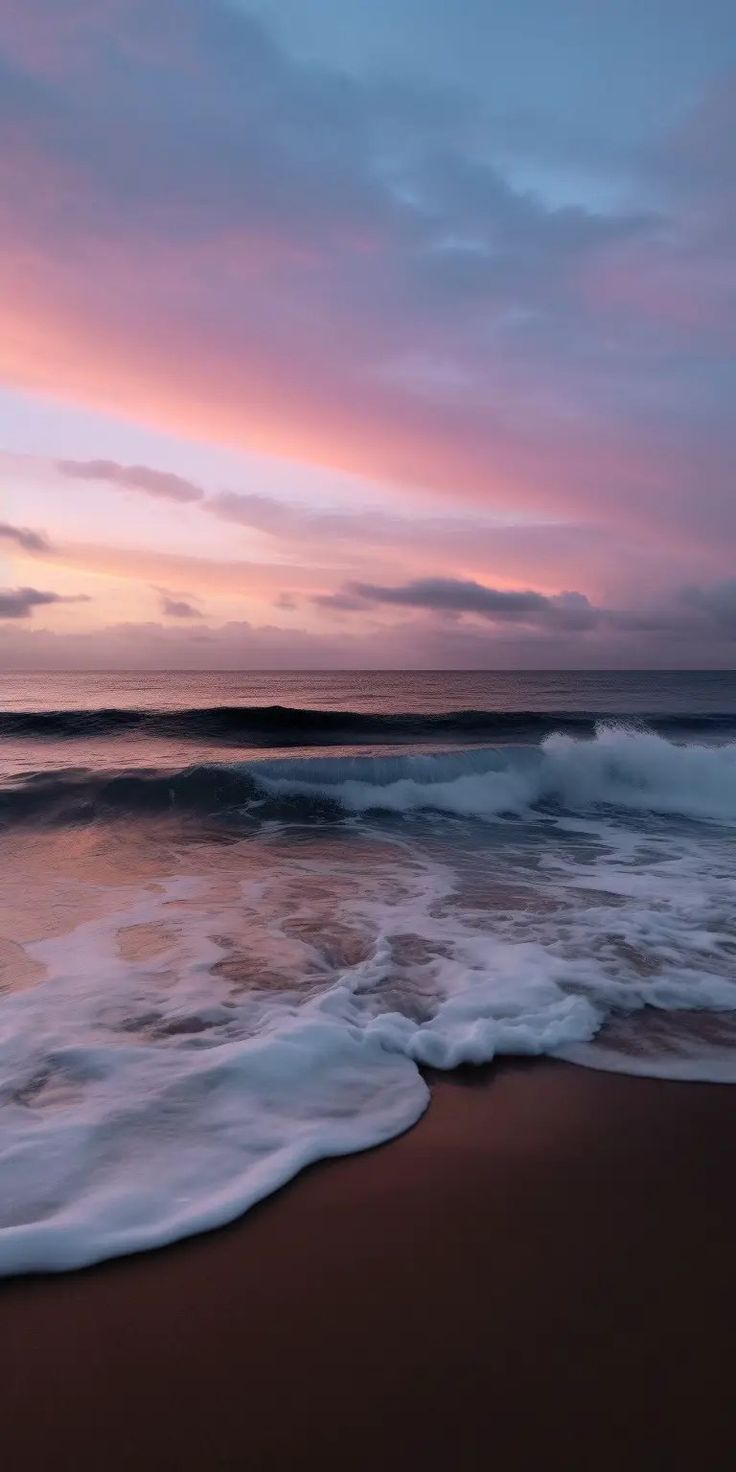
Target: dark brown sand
(541, 1274)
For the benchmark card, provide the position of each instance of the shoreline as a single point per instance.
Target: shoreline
(540, 1269)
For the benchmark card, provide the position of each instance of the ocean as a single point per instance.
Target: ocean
(244, 917)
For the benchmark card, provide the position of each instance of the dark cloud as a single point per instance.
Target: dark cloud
(692, 614)
(158, 483)
(20, 602)
(30, 541)
(178, 608)
(571, 611)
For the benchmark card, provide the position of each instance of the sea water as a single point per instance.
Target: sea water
(242, 915)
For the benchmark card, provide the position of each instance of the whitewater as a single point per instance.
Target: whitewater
(214, 974)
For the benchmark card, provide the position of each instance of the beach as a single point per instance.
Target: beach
(367, 736)
(540, 1272)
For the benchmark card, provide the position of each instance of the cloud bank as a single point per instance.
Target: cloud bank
(225, 238)
(512, 313)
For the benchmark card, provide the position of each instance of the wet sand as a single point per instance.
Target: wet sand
(540, 1274)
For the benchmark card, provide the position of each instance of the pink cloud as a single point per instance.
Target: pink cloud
(198, 231)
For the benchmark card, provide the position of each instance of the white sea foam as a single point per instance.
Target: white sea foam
(138, 1108)
(692, 1062)
(292, 987)
(622, 767)
(133, 1116)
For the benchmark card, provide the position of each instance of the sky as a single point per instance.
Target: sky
(349, 335)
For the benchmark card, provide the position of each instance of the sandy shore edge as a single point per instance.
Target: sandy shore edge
(541, 1271)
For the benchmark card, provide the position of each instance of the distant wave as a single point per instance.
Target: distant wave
(631, 769)
(284, 726)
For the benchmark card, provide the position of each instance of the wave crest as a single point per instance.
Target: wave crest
(621, 768)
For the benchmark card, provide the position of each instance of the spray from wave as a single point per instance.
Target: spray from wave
(635, 770)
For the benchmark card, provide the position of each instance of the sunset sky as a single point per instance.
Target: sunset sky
(345, 333)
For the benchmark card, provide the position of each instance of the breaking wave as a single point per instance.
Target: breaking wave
(619, 767)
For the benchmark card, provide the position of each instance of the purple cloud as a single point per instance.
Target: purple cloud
(20, 602)
(570, 611)
(350, 267)
(158, 483)
(178, 608)
(502, 302)
(28, 540)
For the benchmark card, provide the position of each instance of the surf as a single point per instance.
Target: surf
(621, 767)
(224, 972)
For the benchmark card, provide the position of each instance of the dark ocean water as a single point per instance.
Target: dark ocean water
(240, 913)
